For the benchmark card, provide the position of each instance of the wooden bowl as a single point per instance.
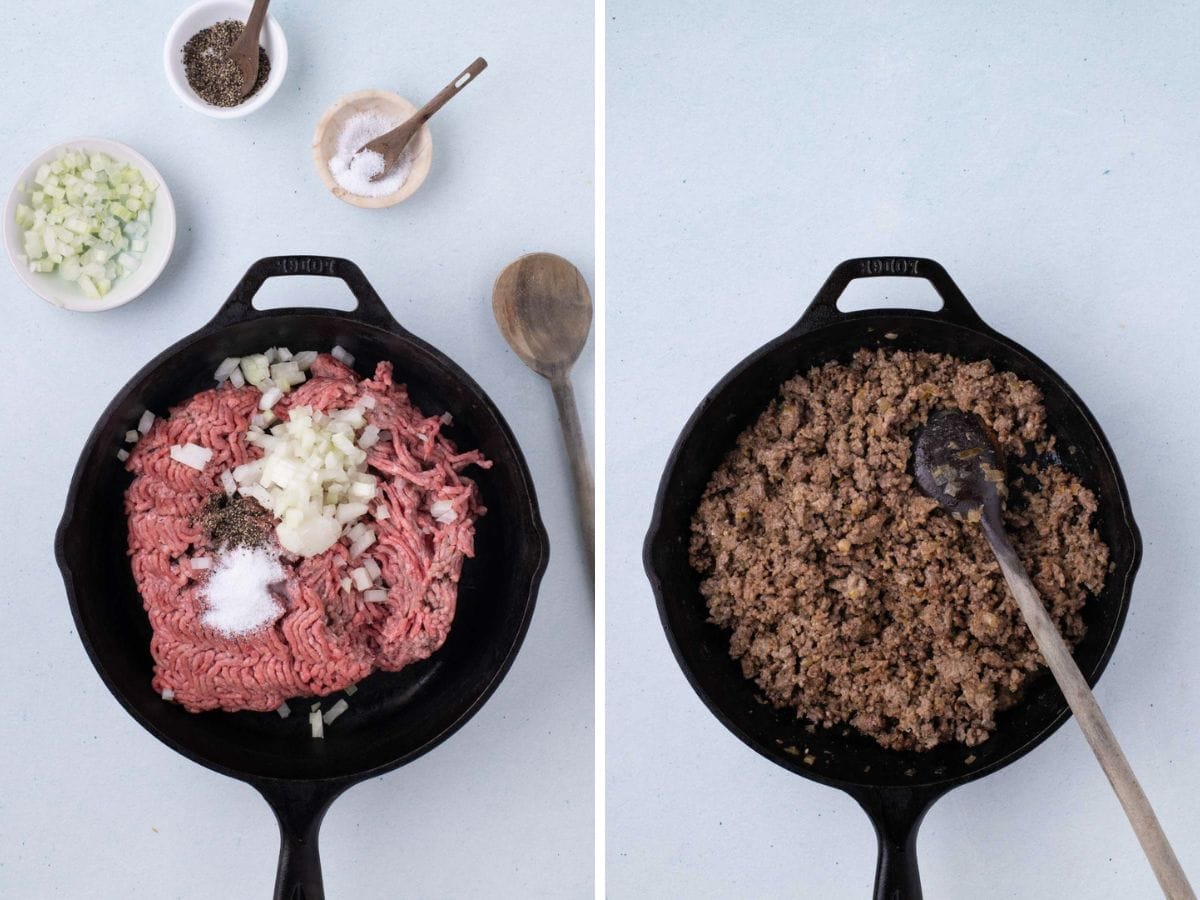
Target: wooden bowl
(325, 145)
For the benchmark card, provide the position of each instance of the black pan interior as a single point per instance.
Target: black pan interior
(393, 716)
(842, 756)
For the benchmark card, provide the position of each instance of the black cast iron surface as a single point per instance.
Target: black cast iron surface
(394, 717)
(895, 788)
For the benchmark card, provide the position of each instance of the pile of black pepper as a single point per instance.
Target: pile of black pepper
(235, 522)
(210, 69)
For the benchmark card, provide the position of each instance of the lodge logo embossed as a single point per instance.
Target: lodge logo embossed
(888, 265)
(307, 265)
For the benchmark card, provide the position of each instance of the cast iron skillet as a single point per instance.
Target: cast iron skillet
(394, 717)
(895, 788)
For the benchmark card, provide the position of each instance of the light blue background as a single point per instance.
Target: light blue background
(91, 805)
(1047, 155)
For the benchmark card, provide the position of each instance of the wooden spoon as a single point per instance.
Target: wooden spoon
(544, 311)
(959, 464)
(244, 52)
(392, 144)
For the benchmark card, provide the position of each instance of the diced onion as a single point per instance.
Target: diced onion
(228, 483)
(334, 711)
(443, 511)
(313, 471)
(237, 379)
(201, 562)
(145, 422)
(346, 584)
(122, 454)
(131, 437)
(447, 419)
(372, 568)
(316, 724)
(376, 595)
(87, 216)
(351, 689)
(225, 369)
(360, 492)
(284, 710)
(287, 374)
(305, 358)
(270, 397)
(339, 353)
(361, 578)
(369, 437)
(381, 513)
(362, 544)
(168, 694)
(248, 472)
(350, 512)
(192, 455)
(255, 368)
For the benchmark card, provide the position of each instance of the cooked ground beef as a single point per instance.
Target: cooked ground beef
(850, 596)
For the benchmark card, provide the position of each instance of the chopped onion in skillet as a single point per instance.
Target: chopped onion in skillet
(334, 711)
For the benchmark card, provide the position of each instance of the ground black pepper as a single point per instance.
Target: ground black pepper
(235, 522)
(210, 69)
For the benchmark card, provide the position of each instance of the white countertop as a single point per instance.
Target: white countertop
(93, 806)
(1049, 161)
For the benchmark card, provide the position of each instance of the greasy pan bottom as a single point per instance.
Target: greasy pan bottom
(895, 786)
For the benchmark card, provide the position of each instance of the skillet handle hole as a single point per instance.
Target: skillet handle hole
(885, 292)
(305, 290)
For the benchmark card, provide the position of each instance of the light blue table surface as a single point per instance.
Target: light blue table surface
(1049, 156)
(90, 804)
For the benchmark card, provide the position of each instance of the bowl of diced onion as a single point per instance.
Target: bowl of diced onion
(89, 224)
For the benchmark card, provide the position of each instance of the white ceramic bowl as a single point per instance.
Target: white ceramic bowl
(51, 286)
(202, 15)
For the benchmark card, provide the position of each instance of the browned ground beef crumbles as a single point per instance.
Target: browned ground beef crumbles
(851, 597)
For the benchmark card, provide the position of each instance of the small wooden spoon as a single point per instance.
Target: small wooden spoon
(392, 144)
(244, 52)
(544, 311)
(959, 464)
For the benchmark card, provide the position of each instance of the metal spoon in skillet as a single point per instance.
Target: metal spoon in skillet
(959, 464)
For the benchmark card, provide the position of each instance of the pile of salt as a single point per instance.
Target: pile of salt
(237, 592)
(353, 170)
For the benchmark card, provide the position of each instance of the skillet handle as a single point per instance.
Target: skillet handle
(299, 808)
(240, 305)
(824, 311)
(896, 814)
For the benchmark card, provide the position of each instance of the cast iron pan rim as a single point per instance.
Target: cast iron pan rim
(534, 560)
(799, 336)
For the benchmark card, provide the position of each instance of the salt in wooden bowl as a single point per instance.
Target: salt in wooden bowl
(324, 147)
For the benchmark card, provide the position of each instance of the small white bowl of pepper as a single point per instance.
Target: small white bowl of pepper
(198, 65)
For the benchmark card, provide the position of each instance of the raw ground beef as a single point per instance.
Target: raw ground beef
(327, 637)
(850, 596)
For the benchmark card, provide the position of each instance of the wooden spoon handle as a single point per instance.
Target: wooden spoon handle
(248, 40)
(581, 471)
(465, 77)
(1091, 720)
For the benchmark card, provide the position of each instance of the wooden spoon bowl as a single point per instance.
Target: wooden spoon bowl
(324, 146)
